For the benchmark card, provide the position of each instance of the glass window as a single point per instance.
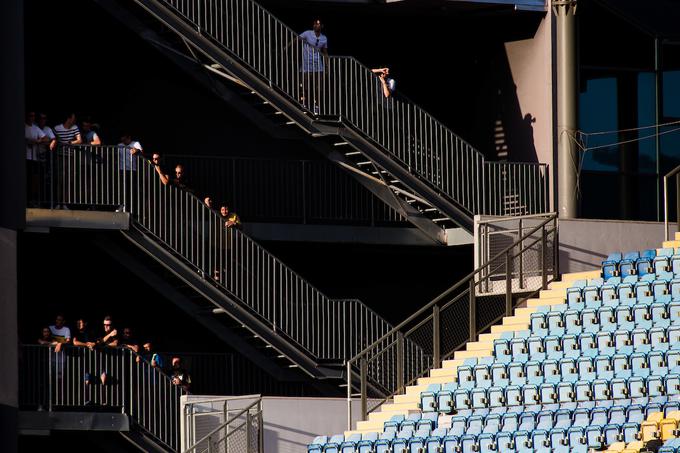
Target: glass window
(646, 117)
(598, 112)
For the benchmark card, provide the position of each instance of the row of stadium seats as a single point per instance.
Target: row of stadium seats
(560, 430)
(568, 370)
(641, 263)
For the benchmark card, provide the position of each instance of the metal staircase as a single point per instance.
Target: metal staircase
(219, 275)
(397, 150)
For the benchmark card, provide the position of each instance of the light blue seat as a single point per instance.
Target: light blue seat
(400, 442)
(496, 397)
(659, 315)
(610, 266)
(674, 285)
(393, 423)
(534, 372)
(492, 424)
(333, 445)
(461, 399)
(499, 375)
(428, 398)
(603, 367)
(551, 371)
(350, 443)
(416, 444)
(510, 422)
(450, 443)
(658, 340)
(627, 264)
(662, 261)
(638, 364)
(593, 436)
(642, 316)
(505, 442)
(629, 432)
(434, 440)
(624, 318)
(590, 322)
(501, 350)
(583, 391)
(482, 376)
(637, 388)
(657, 363)
(516, 373)
(586, 370)
(576, 436)
(621, 366)
(617, 414)
(626, 289)
(540, 440)
(570, 347)
(619, 389)
(365, 445)
(522, 441)
(635, 414)
(536, 348)
(316, 446)
(486, 443)
(574, 295)
(468, 443)
(673, 336)
(609, 290)
(674, 311)
(445, 402)
(479, 398)
(538, 324)
(606, 319)
(547, 395)
(466, 379)
(601, 390)
(605, 343)
(611, 433)
(673, 361)
(427, 420)
(572, 322)
(587, 345)
(672, 384)
(644, 264)
(458, 425)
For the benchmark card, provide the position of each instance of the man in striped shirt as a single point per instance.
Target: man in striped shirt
(68, 133)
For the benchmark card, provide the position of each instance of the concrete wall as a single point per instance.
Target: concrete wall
(530, 63)
(585, 243)
(292, 423)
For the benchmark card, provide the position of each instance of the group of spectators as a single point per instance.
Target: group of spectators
(59, 335)
(41, 139)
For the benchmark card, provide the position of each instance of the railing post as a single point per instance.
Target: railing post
(544, 248)
(49, 377)
(248, 421)
(436, 353)
(665, 208)
(349, 395)
(364, 386)
(520, 275)
(400, 362)
(508, 285)
(473, 312)
(303, 180)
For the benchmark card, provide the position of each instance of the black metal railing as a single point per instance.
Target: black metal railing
(448, 322)
(72, 378)
(108, 178)
(343, 88)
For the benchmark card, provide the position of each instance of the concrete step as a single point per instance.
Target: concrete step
(470, 354)
(509, 328)
(370, 426)
(676, 236)
(669, 244)
(441, 372)
(391, 407)
(408, 398)
(455, 363)
(434, 380)
(383, 416)
(479, 346)
(581, 275)
(546, 302)
(362, 431)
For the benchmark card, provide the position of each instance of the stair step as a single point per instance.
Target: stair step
(289, 123)
(368, 162)
(378, 172)
(340, 144)
(352, 153)
(430, 209)
(441, 219)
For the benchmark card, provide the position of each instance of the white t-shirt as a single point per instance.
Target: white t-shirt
(312, 61)
(61, 335)
(126, 160)
(32, 134)
(45, 147)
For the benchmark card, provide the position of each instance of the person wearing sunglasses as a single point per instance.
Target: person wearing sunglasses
(314, 52)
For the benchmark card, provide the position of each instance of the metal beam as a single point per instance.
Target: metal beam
(43, 422)
(93, 220)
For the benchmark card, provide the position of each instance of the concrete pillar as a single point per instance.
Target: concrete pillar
(12, 209)
(567, 153)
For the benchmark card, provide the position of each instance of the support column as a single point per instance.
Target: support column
(12, 210)
(567, 153)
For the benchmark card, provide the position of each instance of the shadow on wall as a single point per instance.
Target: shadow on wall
(502, 132)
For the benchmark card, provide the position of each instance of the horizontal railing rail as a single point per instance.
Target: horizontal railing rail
(453, 318)
(343, 88)
(108, 177)
(290, 191)
(96, 379)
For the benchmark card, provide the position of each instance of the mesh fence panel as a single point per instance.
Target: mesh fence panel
(454, 324)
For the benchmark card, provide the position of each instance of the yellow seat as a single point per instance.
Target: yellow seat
(666, 428)
(649, 430)
(617, 447)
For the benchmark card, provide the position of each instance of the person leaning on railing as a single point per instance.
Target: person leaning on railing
(388, 83)
(231, 219)
(162, 174)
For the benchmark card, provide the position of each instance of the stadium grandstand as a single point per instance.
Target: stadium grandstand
(340, 226)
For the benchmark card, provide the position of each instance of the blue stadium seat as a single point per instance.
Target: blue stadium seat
(428, 398)
(627, 263)
(482, 376)
(350, 443)
(333, 445)
(450, 443)
(434, 440)
(662, 261)
(365, 445)
(610, 266)
(445, 402)
(643, 264)
(317, 444)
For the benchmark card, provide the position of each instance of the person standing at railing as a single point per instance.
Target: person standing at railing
(68, 133)
(83, 337)
(314, 52)
(231, 219)
(180, 376)
(88, 134)
(34, 138)
(388, 84)
(46, 338)
(126, 161)
(60, 333)
(162, 174)
(109, 335)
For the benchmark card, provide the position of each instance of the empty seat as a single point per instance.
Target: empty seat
(610, 266)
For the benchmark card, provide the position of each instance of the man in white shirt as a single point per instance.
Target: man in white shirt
(130, 148)
(43, 148)
(314, 52)
(60, 333)
(34, 138)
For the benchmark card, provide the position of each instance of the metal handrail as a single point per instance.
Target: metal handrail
(448, 291)
(668, 175)
(325, 328)
(208, 436)
(342, 88)
(470, 285)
